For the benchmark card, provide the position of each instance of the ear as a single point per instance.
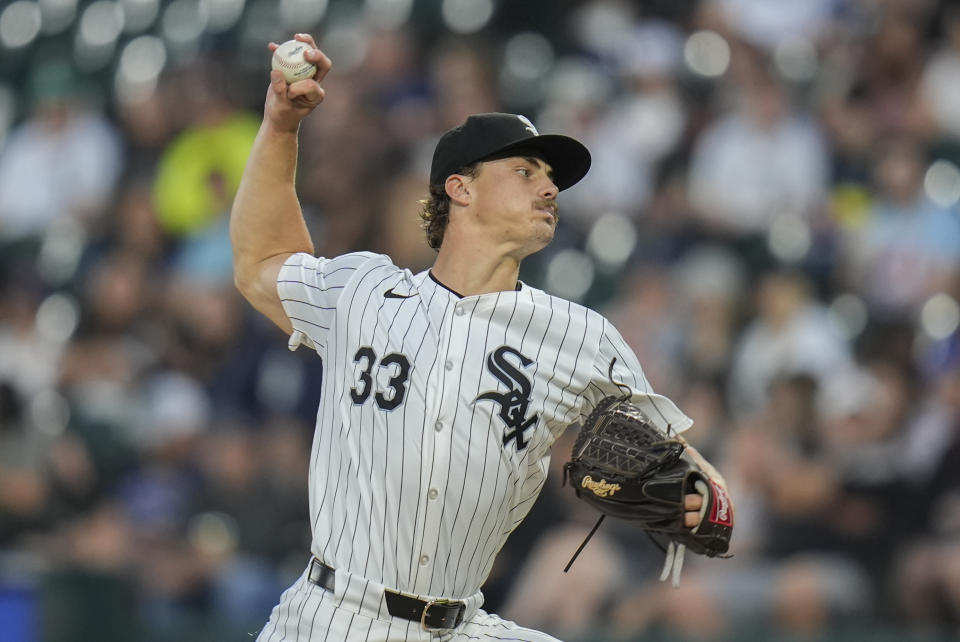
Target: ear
(457, 189)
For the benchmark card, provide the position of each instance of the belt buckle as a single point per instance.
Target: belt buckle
(426, 610)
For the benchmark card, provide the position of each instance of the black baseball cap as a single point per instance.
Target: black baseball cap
(483, 136)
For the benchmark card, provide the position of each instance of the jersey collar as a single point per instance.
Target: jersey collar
(454, 292)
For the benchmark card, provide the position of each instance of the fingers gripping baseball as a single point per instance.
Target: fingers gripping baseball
(288, 103)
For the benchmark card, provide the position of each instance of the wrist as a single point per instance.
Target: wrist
(279, 129)
(704, 464)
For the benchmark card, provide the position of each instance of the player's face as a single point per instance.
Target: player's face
(517, 201)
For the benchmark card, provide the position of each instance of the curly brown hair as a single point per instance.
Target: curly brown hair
(435, 211)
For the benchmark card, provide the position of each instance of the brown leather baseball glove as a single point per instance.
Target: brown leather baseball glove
(626, 467)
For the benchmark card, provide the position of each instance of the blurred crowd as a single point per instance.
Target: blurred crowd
(771, 221)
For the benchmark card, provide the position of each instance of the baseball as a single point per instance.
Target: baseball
(289, 59)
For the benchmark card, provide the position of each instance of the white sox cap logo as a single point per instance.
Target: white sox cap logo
(529, 126)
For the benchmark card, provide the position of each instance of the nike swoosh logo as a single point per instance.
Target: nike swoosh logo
(390, 294)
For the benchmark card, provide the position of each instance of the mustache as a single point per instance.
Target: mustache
(546, 204)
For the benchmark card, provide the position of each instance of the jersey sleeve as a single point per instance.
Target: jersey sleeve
(310, 287)
(616, 362)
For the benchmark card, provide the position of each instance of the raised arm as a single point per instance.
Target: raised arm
(266, 222)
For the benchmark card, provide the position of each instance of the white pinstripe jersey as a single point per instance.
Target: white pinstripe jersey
(437, 413)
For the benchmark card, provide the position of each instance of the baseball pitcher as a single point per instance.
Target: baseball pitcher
(442, 391)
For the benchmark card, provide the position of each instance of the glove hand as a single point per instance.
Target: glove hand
(627, 467)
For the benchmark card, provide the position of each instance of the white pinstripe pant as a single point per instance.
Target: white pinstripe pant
(355, 612)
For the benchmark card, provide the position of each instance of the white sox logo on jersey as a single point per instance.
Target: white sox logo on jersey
(514, 402)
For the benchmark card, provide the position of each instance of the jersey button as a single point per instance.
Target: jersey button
(424, 560)
(438, 426)
(448, 365)
(460, 311)
(432, 494)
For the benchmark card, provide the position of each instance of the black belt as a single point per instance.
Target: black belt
(436, 614)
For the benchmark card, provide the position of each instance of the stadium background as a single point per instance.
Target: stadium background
(771, 220)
